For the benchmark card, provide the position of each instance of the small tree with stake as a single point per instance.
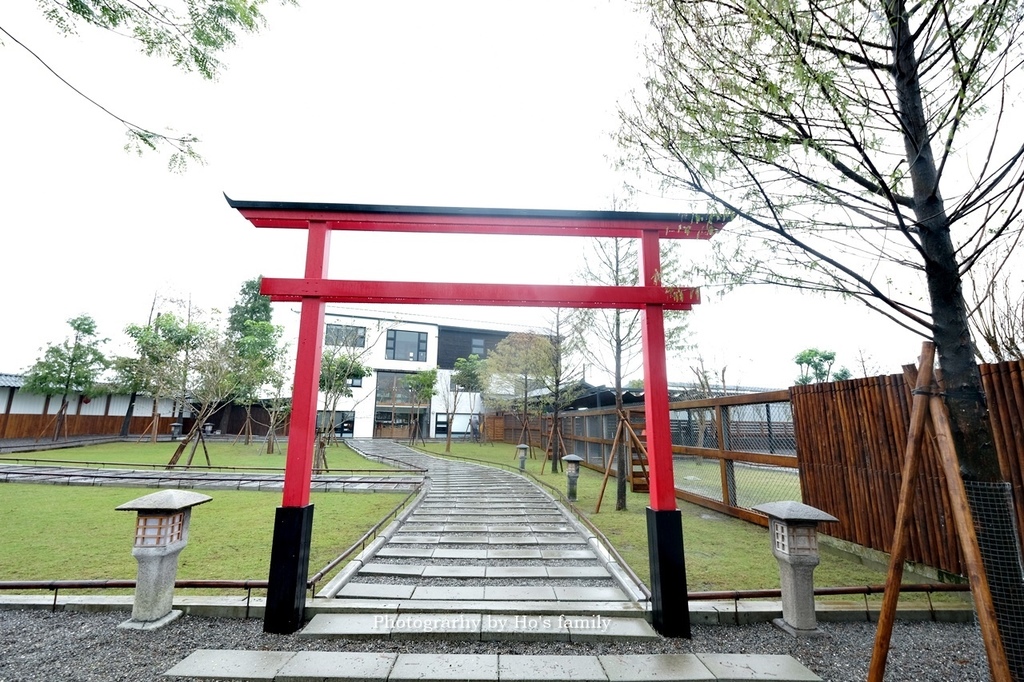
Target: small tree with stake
(72, 366)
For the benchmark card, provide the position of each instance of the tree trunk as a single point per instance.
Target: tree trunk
(126, 423)
(989, 497)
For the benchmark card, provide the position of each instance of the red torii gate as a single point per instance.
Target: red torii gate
(289, 562)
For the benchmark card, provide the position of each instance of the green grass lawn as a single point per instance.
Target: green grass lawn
(722, 552)
(73, 532)
(222, 454)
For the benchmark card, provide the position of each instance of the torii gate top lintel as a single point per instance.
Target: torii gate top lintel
(463, 220)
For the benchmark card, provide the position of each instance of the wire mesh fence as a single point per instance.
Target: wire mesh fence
(732, 430)
(739, 455)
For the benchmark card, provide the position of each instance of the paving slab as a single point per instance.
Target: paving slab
(437, 626)
(336, 666)
(444, 668)
(604, 629)
(567, 554)
(548, 668)
(573, 593)
(517, 572)
(349, 626)
(231, 664)
(532, 628)
(392, 569)
(405, 552)
(376, 591)
(744, 667)
(454, 571)
(448, 593)
(519, 592)
(524, 553)
(447, 553)
(656, 668)
(578, 572)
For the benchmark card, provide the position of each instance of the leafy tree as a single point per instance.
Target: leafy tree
(72, 366)
(866, 150)
(339, 366)
(190, 33)
(423, 386)
(257, 346)
(816, 367)
(159, 362)
(516, 368)
(466, 379)
(212, 377)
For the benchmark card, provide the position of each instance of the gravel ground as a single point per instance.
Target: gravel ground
(65, 646)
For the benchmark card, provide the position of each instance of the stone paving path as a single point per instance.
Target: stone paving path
(484, 556)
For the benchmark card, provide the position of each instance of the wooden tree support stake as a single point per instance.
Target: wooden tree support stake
(927, 403)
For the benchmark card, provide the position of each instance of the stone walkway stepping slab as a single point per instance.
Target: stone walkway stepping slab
(544, 668)
(657, 667)
(232, 664)
(349, 625)
(567, 554)
(604, 629)
(406, 552)
(392, 569)
(445, 553)
(444, 668)
(577, 572)
(475, 592)
(516, 572)
(742, 667)
(335, 666)
(321, 666)
(454, 571)
(525, 593)
(468, 539)
(375, 591)
(523, 553)
(523, 628)
(571, 593)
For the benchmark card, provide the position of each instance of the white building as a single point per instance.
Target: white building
(381, 405)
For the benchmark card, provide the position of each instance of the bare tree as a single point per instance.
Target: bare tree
(867, 150)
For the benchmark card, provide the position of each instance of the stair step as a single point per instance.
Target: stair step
(307, 666)
(473, 627)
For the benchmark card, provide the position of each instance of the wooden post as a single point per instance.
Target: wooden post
(998, 665)
(918, 416)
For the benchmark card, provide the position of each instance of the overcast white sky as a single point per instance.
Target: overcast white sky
(441, 103)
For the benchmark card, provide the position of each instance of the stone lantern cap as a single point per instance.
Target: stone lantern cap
(794, 512)
(165, 501)
(572, 458)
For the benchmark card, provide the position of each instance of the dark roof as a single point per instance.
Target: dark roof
(15, 380)
(384, 209)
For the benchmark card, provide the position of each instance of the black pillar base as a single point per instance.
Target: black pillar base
(289, 568)
(670, 605)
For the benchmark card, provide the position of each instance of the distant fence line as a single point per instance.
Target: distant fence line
(837, 446)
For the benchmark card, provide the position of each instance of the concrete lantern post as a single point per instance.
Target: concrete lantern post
(793, 530)
(161, 532)
(522, 448)
(572, 474)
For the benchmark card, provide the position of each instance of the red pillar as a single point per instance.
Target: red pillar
(670, 608)
(293, 522)
(305, 393)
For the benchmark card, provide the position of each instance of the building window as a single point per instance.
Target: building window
(403, 345)
(345, 335)
(477, 348)
(354, 382)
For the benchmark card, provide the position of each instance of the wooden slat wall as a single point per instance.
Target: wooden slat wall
(41, 426)
(851, 438)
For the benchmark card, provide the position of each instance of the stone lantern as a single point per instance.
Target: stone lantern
(161, 532)
(572, 474)
(793, 529)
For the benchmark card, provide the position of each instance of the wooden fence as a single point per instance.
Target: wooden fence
(851, 437)
(846, 439)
